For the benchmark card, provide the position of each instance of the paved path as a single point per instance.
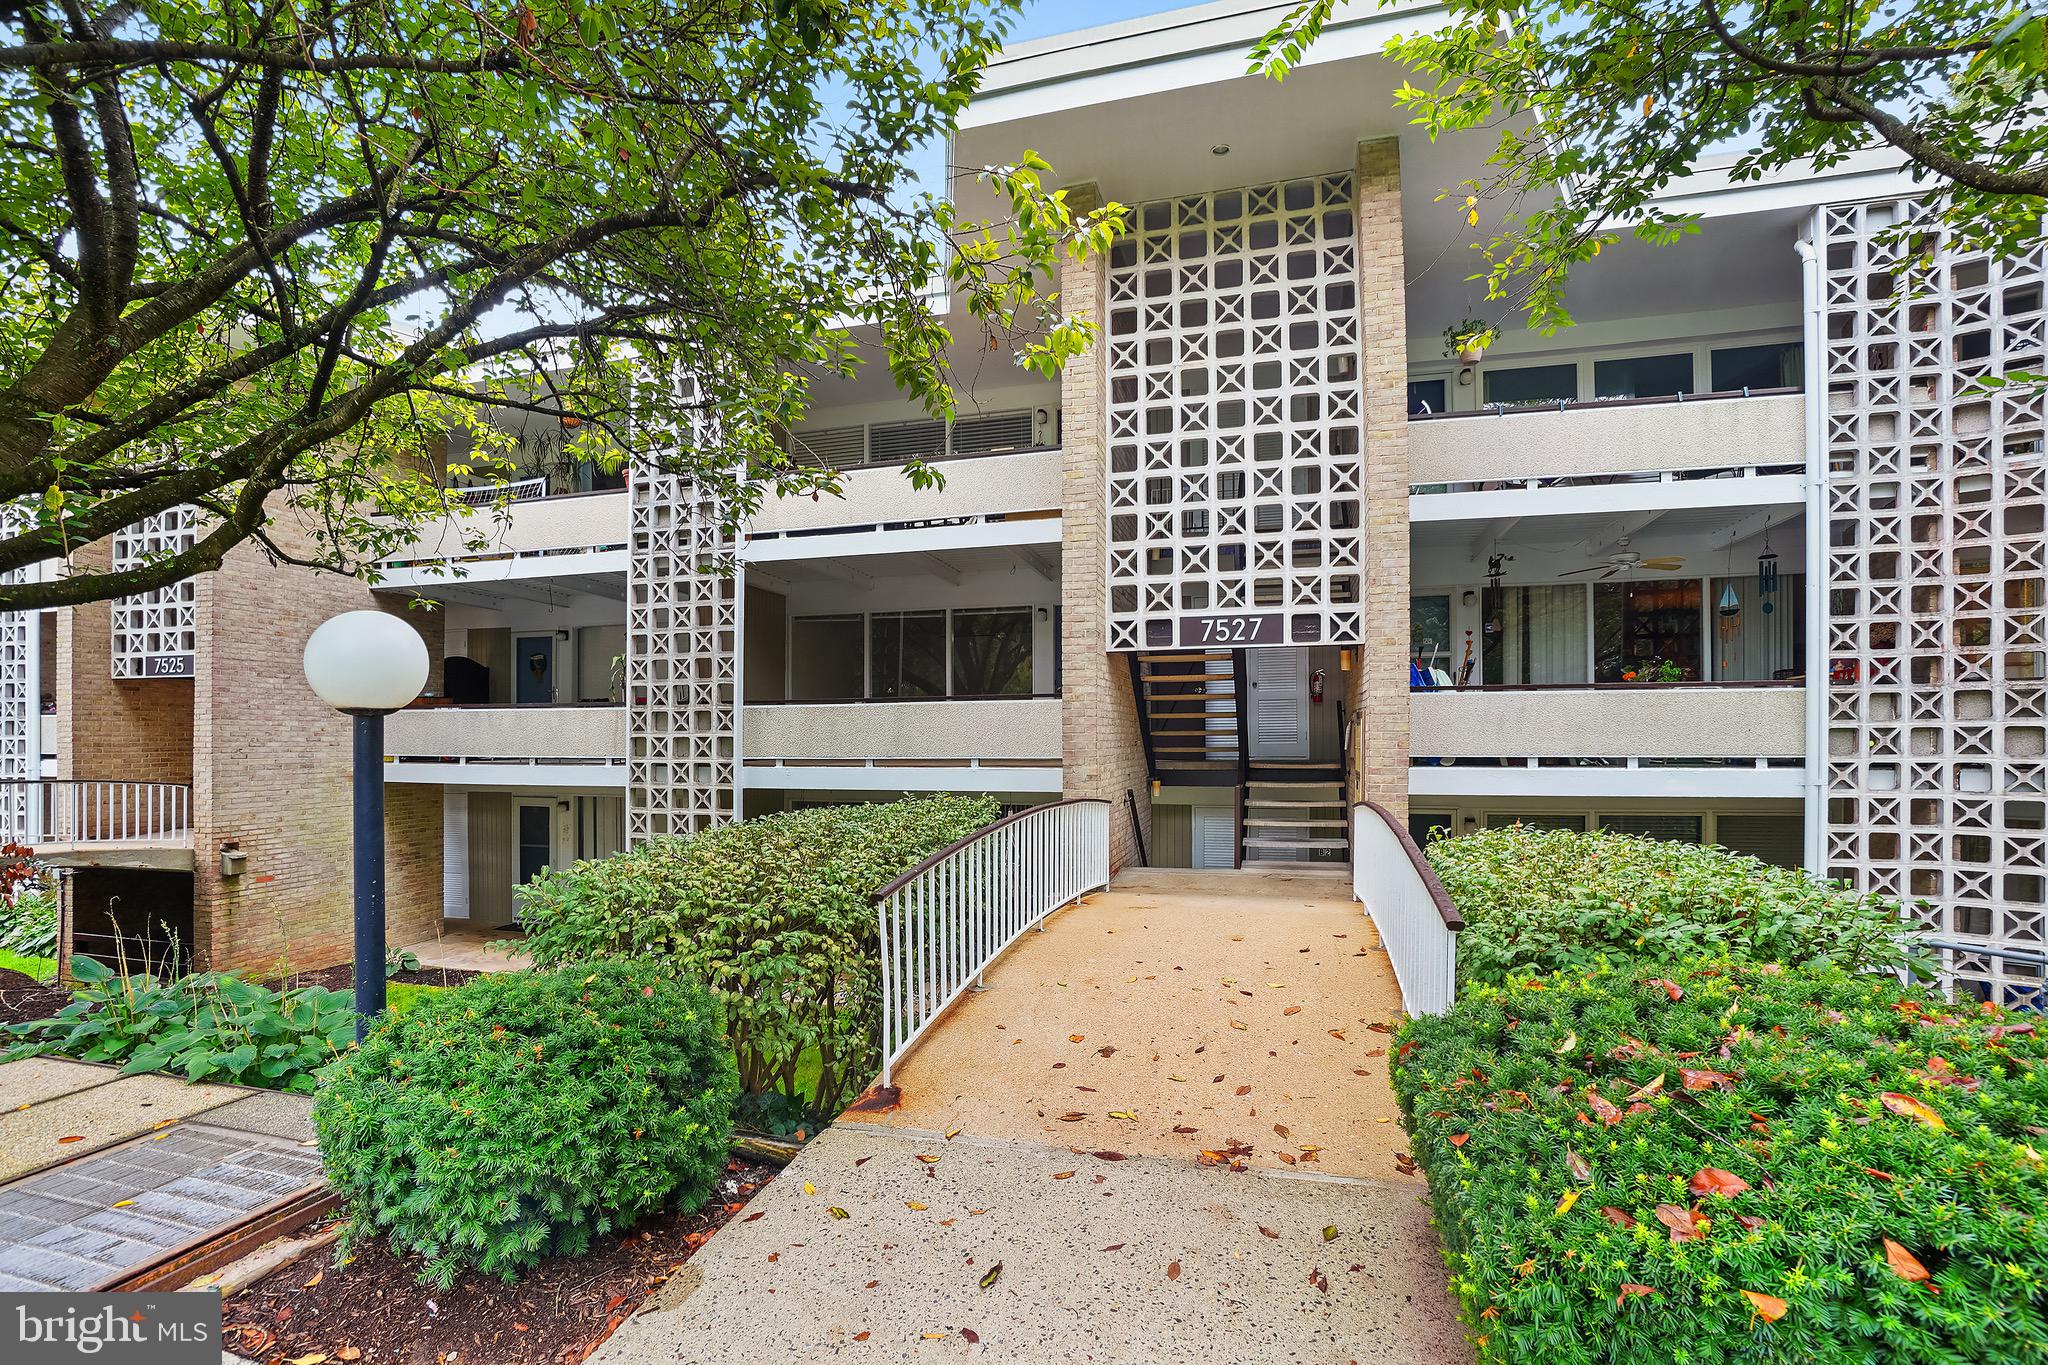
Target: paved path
(103, 1172)
(1178, 1246)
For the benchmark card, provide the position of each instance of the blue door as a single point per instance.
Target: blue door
(533, 665)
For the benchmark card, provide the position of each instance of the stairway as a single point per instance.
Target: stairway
(1188, 703)
(1293, 822)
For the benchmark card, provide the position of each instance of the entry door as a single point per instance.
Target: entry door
(533, 668)
(1215, 841)
(536, 839)
(1279, 701)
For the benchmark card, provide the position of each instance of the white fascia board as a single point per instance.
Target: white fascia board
(519, 568)
(565, 777)
(1878, 173)
(907, 541)
(1760, 490)
(1177, 50)
(986, 778)
(1700, 783)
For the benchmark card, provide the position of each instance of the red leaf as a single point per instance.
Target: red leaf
(1460, 1139)
(1173, 1270)
(1621, 1218)
(1699, 1078)
(972, 1336)
(1767, 1307)
(1671, 988)
(1679, 1221)
(1606, 1111)
(1708, 1180)
(1904, 1263)
(1632, 1291)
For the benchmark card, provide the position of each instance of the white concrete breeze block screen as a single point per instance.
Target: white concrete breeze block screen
(154, 632)
(1235, 425)
(1938, 698)
(682, 663)
(21, 708)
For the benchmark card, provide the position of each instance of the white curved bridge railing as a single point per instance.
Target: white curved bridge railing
(1418, 925)
(946, 919)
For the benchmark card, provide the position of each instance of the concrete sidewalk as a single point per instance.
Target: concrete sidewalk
(1157, 1109)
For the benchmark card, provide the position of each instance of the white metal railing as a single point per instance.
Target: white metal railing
(488, 494)
(945, 920)
(1417, 923)
(86, 811)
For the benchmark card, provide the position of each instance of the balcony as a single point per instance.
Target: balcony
(555, 746)
(90, 823)
(1011, 499)
(531, 537)
(1620, 739)
(922, 744)
(1608, 441)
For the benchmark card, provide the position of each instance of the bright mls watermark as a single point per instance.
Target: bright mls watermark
(110, 1329)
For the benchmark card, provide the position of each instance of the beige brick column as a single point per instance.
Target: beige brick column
(128, 729)
(1101, 749)
(1377, 689)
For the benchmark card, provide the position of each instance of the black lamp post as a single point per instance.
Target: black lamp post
(367, 664)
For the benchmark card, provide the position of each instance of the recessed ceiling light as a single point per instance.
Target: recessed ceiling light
(1220, 149)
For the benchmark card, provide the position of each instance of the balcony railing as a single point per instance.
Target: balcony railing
(1709, 431)
(1732, 720)
(53, 811)
(489, 494)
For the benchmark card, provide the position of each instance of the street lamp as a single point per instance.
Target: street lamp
(367, 664)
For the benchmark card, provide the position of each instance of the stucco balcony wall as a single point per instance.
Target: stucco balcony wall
(982, 485)
(579, 521)
(1640, 437)
(986, 730)
(1610, 722)
(507, 732)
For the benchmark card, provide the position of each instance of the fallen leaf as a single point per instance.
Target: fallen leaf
(1702, 1079)
(1330, 1233)
(1679, 1221)
(752, 1216)
(913, 1206)
(1580, 1169)
(1244, 1090)
(952, 1133)
(1236, 1024)
(123, 1204)
(1709, 1180)
(994, 1273)
(1769, 1308)
(927, 1158)
(1123, 1114)
(1460, 1139)
(1905, 1106)
(1564, 1204)
(313, 1359)
(1077, 1037)
(1072, 1116)
(1904, 1263)
(1062, 1175)
(1280, 1130)
(80, 1137)
(1621, 1218)
(809, 1188)
(1608, 1113)
(1644, 1092)
(860, 1336)
(838, 1212)
(1632, 1291)
(1287, 1157)
(1109, 1156)
(1173, 1270)
(355, 1353)
(1114, 1246)
(1318, 1280)
(1291, 1010)
(318, 1276)
(1571, 1040)
(1671, 989)
(972, 1337)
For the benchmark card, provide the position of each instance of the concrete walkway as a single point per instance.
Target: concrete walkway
(1169, 1126)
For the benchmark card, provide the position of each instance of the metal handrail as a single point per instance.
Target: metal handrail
(946, 919)
(488, 494)
(38, 811)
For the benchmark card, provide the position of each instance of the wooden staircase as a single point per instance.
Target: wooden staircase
(1190, 708)
(1295, 822)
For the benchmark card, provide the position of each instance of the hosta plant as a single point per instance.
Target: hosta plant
(28, 923)
(1537, 900)
(774, 916)
(212, 1026)
(1734, 1162)
(522, 1114)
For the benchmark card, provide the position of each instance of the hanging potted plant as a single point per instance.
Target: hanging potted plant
(1468, 340)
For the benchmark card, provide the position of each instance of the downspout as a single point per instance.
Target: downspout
(1817, 660)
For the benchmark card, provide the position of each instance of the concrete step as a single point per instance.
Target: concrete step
(1252, 841)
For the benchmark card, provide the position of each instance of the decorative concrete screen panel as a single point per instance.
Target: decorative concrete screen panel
(1235, 428)
(154, 632)
(1938, 696)
(682, 663)
(21, 709)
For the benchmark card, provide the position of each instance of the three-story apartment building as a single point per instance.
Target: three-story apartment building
(1745, 557)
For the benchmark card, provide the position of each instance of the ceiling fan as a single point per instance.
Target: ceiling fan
(1625, 559)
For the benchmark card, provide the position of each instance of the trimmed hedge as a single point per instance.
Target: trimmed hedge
(522, 1114)
(773, 915)
(1734, 1162)
(1543, 900)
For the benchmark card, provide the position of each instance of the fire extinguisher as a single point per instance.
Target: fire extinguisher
(1315, 687)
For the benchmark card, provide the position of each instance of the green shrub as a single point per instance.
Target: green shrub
(522, 1114)
(1541, 900)
(214, 1026)
(774, 916)
(1619, 1160)
(28, 924)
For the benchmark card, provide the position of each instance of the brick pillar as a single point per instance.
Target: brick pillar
(1101, 749)
(1377, 689)
(129, 729)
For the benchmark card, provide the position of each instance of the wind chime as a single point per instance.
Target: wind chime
(1729, 605)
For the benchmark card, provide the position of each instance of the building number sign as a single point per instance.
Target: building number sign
(1263, 628)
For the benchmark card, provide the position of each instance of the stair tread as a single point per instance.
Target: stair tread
(1296, 843)
(1296, 824)
(1181, 658)
(1223, 679)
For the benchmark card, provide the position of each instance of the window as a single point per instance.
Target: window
(1535, 820)
(1753, 644)
(991, 652)
(825, 654)
(1536, 634)
(1427, 829)
(1429, 629)
(907, 654)
(1684, 829)
(1532, 384)
(1427, 395)
(1636, 624)
(1777, 365)
(1642, 376)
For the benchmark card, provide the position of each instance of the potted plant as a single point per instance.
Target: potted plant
(1468, 340)
(1654, 671)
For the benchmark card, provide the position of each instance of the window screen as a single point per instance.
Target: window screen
(825, 662)
(1777, 839)
(1684, 829)
(1642, 376)
(1532, 384)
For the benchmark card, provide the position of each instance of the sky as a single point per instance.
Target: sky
(1042, 18)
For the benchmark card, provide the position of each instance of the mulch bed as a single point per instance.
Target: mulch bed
(342, 977)
(375, 1311)
(23, 998)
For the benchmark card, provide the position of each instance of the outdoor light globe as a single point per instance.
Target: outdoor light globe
(366, 661)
